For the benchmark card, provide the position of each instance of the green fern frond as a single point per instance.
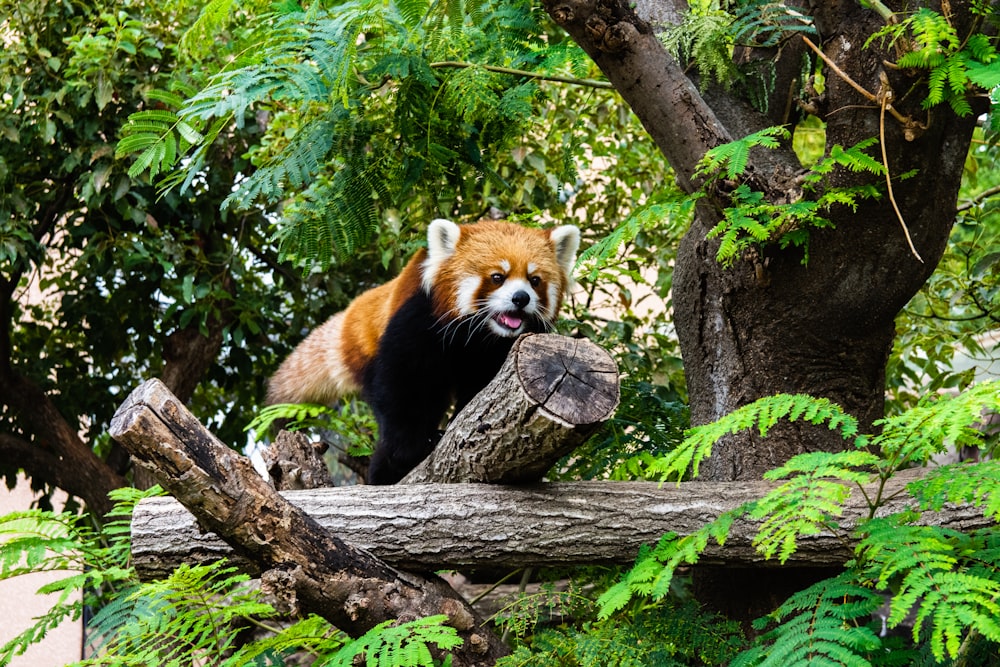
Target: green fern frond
(810, 501)
(312, 632)
(37, 541)
(949, 60)
(189, 613)
(704, 39)
(403, 645)
(976, 484)
(654, 569)
(937, 423)
(929, 570)
(824, 624)
(763, 23)
(646, 218)
(733, 157)
(763, 414)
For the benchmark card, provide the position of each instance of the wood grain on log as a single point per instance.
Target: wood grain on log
(445, 526)
(308, 566)
(551, 394)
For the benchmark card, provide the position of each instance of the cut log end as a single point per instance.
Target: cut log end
(573, 379)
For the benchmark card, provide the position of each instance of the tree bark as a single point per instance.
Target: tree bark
(305, 565)
(55, 453)
(550, 395)
(430, 527)
(773, 323)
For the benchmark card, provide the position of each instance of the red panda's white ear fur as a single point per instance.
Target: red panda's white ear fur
(566, 239)
(442, 239)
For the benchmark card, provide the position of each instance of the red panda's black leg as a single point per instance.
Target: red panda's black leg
(408, 389)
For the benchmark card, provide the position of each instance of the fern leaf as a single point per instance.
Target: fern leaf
(977, 484)
(763, 413)
(809, 502)
(819, 626)
(937, 423)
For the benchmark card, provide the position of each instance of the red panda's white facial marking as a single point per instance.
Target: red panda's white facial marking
(500, 277)
(510, 304)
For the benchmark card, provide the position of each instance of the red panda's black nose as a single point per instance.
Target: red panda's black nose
(521, 298)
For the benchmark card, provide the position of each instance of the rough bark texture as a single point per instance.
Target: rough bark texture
(310, 569)
(53, 451)
(293, 462)
(429, 527)
(772, 324)
(550, 395)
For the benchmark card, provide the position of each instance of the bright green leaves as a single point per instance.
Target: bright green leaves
(752, 221)
(824, 624)
(733, 156)
(362, 107)
(818, 484)
(947, 579)
(761, 415)
(953, 63)
(97, 58)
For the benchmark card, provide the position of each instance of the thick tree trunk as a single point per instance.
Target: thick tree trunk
(458, 526)
(771, 323)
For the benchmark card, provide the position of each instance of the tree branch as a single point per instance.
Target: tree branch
(653, 84)
(59, 455)
(311, 569)
(456, 526)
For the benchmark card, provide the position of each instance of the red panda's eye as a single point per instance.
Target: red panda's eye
(535, 281)
(497, 278)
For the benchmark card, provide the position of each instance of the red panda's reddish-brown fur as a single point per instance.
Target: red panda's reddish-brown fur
(438, 332)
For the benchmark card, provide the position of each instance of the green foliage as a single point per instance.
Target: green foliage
(826, 624)
(197, 613)
(189, 614)
(762, 415)
(711, 30)
(704, 39)
(359, 124)
(96, 561)
(948, 579)
(954, 63)
(673, 634)
(353, 423)
(405, 645)
(751, 221)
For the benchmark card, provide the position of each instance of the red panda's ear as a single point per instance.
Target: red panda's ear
(566, 240)
(442, 239)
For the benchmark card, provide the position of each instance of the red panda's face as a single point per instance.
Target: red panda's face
(503, 276)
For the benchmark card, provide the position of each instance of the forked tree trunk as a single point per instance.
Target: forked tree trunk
(772, 323)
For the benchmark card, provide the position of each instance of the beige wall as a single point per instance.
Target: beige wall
(19, 604)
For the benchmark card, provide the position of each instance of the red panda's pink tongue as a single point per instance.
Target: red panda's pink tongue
(508, 320)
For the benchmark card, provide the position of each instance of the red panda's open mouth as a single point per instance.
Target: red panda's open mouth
(510, 321)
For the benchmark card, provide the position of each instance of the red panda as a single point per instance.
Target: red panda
(435, 335)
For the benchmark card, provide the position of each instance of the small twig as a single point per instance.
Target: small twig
(839, 72)
(978, 199)
(883, 100)
(905, 120)
(590, 83)
(885, 96)
(887, 14)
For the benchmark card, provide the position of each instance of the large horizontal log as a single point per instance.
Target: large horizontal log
(445, 526)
